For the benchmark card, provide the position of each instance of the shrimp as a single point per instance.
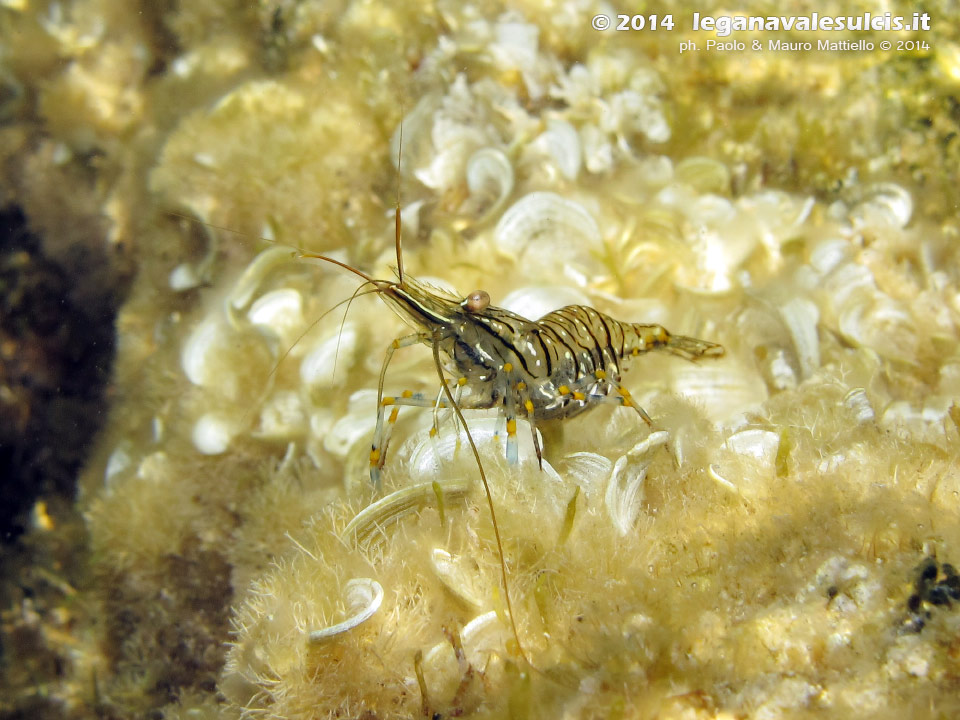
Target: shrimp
(559, 366)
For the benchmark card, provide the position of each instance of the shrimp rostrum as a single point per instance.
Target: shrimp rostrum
(556, 367)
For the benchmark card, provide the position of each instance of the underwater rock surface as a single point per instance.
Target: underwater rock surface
(764, 550)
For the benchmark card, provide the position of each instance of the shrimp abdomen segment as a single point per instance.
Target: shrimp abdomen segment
(597, 341)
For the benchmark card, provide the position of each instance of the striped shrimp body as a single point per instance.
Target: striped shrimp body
(553, 368)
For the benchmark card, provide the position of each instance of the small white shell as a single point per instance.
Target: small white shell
(278, 313)
(949, 380)
(516, 48)
(455, 132)
(850, 283)
(651, 442)
(428, 455)
(483, 635)
(714, 236)
(158, 426)
(119, 460)
(801, 317)
(714, 472)
(155, 467)
(212, 434)
(188, 275)
(857, 401)
(555, 232)
(750, 456)
(363, 598)
(724, 389)
(883, 204)
(587, 469)
(705, 174)
(782, 376)
(632, 111)
(337, 351)
(561, 143)
(516, 43)
(388, 510)
(540, 217)
(829, 254)
(760, 445)
(282, 416)
(246, 286)
(597, 149)
(883, 326)
(623, 494)
(712, 210)
(205, 338)
(356, 425)
(185, 276)
(458, 575)
(489, 179)
(926, 423)
(624, 488)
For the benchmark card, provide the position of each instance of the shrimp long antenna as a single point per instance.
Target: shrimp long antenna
(345, 266)
(486, 489)
(396, 216)
(300, 252)
(356, 293)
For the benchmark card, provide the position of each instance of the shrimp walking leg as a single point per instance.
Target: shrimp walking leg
(381, 436)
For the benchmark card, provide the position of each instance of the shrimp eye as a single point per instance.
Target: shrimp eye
(477, 301)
